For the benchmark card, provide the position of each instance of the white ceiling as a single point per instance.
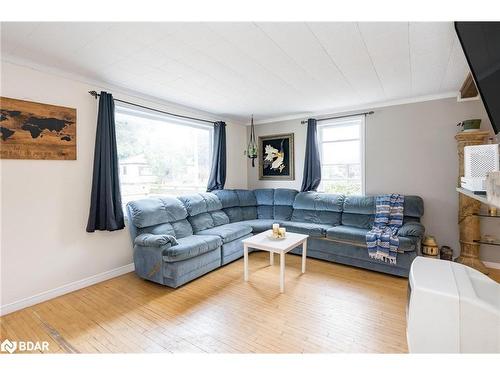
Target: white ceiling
(236, 69)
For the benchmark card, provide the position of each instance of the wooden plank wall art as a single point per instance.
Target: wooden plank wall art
(32, 130)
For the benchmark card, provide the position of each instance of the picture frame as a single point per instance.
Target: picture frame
(32, 130)
(277, 157)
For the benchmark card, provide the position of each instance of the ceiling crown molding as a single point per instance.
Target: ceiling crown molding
(360, 107)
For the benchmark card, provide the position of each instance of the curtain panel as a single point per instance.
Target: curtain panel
(312, 164)
(217, 177)
(105, 201)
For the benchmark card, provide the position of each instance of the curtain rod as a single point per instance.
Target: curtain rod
(96, 95)
(344, 116)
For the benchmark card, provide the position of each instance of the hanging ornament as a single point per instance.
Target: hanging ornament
(252, 145)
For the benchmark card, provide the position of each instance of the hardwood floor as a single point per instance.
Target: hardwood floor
(331, 308)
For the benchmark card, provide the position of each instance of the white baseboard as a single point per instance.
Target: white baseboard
(59, 291)
(494, 265)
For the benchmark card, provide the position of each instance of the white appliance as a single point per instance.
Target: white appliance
(478, 162)
(451, 308)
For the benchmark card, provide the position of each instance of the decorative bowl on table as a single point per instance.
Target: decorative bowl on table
(274, 238)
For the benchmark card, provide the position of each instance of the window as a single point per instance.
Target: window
(158, 155)
(342, 156)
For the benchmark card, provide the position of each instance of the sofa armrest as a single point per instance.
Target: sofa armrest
(148, 255)
(163, 241)
(412, 229)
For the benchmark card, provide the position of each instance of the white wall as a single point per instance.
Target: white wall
(281, 127)
(45, 203)
(410, 149)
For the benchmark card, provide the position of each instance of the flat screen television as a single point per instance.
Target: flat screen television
(481, 44)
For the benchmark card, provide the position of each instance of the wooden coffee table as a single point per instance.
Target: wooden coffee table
(262, 241)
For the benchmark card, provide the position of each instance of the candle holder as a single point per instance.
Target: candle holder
(277, 232)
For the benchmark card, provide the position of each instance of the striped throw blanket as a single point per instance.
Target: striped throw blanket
(382, 240)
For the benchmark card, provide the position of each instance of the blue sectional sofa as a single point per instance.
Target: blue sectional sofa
(179, 239)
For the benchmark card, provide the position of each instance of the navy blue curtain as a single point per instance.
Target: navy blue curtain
(312, 163)
(217, 177)
(105, 201)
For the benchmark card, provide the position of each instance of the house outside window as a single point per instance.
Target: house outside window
(158, 155)
(341, 144)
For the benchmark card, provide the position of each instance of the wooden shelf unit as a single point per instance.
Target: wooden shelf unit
(485, 215)
(479, 197)
(469, 206)
(488, 243)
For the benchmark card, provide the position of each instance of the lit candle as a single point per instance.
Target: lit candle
(282, 232)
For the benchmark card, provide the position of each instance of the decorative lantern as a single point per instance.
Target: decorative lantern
(430, 246)
(446, 253)
(252, 145)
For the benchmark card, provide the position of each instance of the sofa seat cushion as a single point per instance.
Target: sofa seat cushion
(312, 229)
(259, 225)
(191, 246)
(228, 232)
(354, 235)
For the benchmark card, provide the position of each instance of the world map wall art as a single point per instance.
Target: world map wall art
(276, 157)
(30, 130)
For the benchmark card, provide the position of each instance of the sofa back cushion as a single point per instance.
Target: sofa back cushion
(158, 215)
(178, 229)
(283, 203)
(234, 214)
(230, 204)
(200, 203)
(156, 210)
(359, 211)
(248, 204)
(228, 198)
(204, 211)
(246, 198)
(413, 207)
(318, 208)
(238, 204)
(249, 213)
(265, 203)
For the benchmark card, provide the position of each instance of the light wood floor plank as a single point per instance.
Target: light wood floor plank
(331, 308)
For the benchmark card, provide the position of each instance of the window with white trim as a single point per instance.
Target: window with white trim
(159, 155)
(341, 144)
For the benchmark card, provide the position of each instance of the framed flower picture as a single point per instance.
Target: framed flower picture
(276, 157)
